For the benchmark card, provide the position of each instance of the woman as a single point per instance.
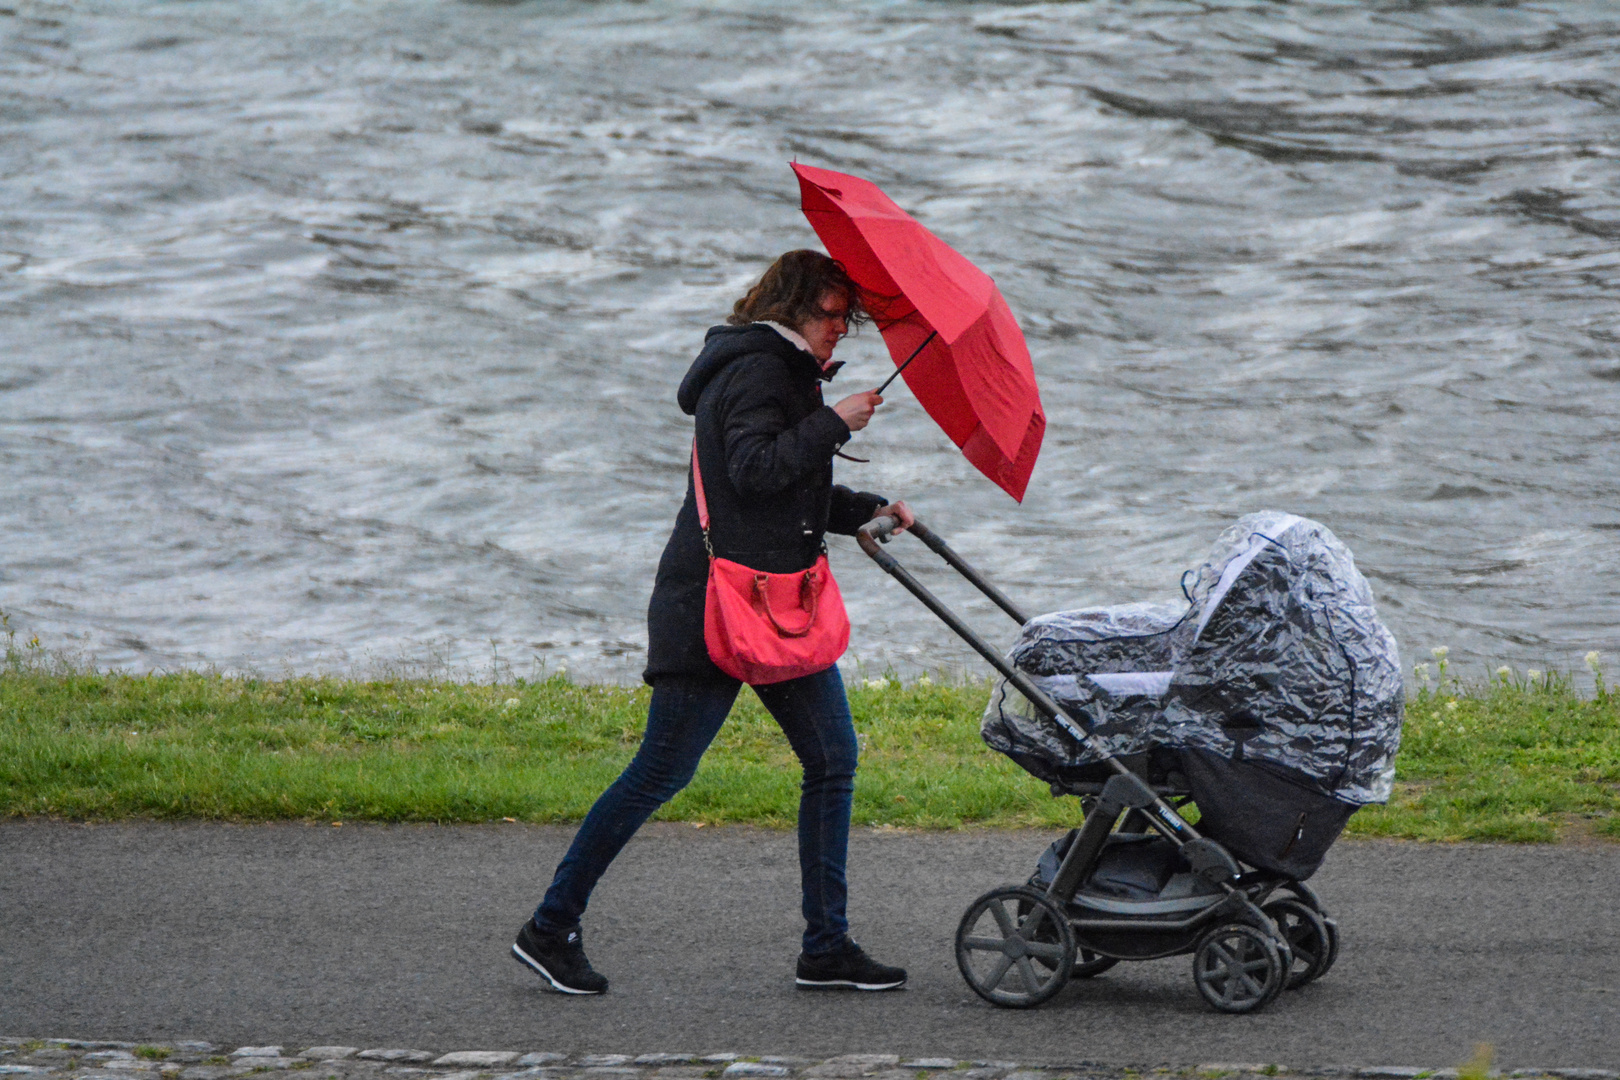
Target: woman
(765, 444)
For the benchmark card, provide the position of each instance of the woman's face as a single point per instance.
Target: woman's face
(826, 330)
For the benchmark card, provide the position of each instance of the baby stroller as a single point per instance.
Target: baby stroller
(1271, 700)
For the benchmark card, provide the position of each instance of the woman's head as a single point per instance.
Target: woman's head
(807, 292)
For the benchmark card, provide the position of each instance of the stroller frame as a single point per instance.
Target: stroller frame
(1246, 946)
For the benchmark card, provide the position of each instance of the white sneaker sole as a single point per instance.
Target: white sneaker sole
(846, 984)
(530, 962)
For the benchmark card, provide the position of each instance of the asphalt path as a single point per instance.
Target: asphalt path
(398, 936)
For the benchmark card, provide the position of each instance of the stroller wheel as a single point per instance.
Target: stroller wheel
(1314, 944)
(1238, 968)
(1015, 947)
(1307, 896)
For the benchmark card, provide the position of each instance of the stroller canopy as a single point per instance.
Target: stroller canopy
(1278, 659)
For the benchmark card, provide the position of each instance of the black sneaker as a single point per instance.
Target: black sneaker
(559, 959)
(849, 968)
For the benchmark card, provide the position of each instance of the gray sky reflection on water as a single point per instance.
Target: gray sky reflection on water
(343, 334)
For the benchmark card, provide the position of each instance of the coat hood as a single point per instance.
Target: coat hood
(723, 344)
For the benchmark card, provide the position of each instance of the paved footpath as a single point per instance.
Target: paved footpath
(303, 936)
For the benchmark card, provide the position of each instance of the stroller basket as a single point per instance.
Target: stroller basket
(1138, 710)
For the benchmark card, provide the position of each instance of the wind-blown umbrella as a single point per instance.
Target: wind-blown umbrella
(943, 320)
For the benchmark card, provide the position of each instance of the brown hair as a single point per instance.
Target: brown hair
(790, 291)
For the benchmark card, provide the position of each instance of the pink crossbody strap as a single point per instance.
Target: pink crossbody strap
(703, 504)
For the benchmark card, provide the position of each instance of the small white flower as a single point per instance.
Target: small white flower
(511, 703)
(1440, 652)
(1451, 706)
(923, 680)
(1594, 660)
(1532, 674)
(1505, 672)
(1421, 671)
(1461, 730)
(877, 684)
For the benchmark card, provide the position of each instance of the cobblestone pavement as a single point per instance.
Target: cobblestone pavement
(78, 1059)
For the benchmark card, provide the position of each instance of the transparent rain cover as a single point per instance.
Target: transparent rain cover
(1280, 658)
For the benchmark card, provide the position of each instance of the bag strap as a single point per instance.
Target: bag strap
(807, 592)
(702, 502)
(697, 483)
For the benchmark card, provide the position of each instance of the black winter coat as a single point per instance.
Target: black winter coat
(765, 445)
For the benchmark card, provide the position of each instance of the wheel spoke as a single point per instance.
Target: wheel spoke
(982, 944)
(999, 912)
(998, 973)
(1044, 950)
(1032, 922)
(1032, 981)
(1255, 989)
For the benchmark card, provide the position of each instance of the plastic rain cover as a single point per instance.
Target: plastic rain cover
(1280, 658)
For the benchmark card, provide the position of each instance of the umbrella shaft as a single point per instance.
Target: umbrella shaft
(909, 359)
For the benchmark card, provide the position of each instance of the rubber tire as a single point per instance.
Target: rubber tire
(1309, 938)
(1333, 945)
(1251, 947)
(1022, 911)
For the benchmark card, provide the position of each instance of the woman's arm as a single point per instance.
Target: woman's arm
(764, 453)
(849, 510)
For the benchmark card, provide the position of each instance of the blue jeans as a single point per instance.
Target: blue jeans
(684, 717)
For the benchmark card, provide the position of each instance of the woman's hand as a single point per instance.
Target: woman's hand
(856, 410)
(900, 512)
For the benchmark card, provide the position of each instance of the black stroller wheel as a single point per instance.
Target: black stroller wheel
(1312, 942)
(1305, 895)
(1238, 968)
(1015, 947)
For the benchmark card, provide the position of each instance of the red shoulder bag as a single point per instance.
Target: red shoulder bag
(769, 628)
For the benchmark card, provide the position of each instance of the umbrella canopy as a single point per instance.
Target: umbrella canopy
(943, 320)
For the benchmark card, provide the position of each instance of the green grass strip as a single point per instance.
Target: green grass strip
(1509, 761)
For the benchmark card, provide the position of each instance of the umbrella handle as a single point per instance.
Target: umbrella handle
(931, 336)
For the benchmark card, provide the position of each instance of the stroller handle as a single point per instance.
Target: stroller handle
(882, 528)
(1163, 818)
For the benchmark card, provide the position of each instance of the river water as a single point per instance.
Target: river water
(344, 336)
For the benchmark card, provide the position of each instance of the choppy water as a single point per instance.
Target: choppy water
(337, 334)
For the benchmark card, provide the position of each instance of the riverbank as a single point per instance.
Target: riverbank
(1518, 759)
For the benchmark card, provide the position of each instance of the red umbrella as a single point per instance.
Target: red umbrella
(944, 322)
